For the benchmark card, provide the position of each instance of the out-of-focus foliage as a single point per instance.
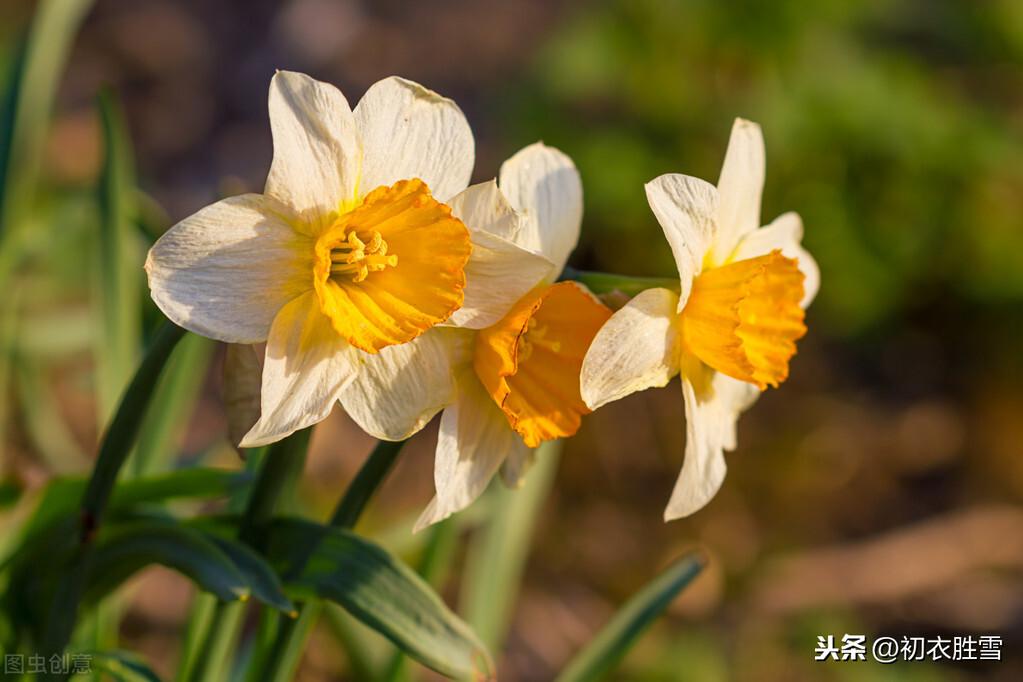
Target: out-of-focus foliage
(893, 127)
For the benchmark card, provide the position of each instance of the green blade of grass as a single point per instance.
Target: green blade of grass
(598, 658)
(121, 666)
(27, 107)
(498, 553)
(124, 549)
(172, 405)
(117, 262)
(114, 450)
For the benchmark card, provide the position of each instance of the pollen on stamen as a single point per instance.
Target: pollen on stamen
(356, 256)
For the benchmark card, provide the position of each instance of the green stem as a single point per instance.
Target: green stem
(290, 641)
(606, 283)
(113, 452)
(225, 626)
(365, 483)
(281, 466)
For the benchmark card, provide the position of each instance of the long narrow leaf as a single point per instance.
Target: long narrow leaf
(121, 666)
(263, 582)
(121, 551)
(599, 657)
(199, 483)
(498, 553)
(381, 592)
(432, 566)
(58, 502)
(119, 279)
(172, 405)
(28, 104)
(117, 443)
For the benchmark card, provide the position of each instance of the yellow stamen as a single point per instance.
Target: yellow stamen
(392, 267)
(529, 362)
(356, 258)
(743, 319)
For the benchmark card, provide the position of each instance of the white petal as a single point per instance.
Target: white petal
(543, 184)
(474, 440)
(636, 349)
(484, 208)
(686, 208)
(225, 271)
(398, 390)
(317, 155)
(307, 366)
(740, 186)
(713, 404)
(499, 272)
(785, 233)
(409, 131)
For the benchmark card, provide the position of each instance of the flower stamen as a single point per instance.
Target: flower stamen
(357, 258)
(371, 299)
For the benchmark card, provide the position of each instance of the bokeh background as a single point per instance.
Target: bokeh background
(879, 491)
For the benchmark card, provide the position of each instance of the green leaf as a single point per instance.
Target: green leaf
(197, 632)
(599, 657)
(172, 405)
(381, 592)
(58, 502)
(122, 666)
(117, 262)
(122, 550)
(27, 105)
(262, 580)
(10, 493)
(120, 436)
(114, 450)
(201, 483)
(432, 566)
(498, 553)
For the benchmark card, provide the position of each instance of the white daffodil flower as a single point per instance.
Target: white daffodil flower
(730, 331)
(518, 379)
(347, 255)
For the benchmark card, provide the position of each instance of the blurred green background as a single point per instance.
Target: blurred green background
(879, 491)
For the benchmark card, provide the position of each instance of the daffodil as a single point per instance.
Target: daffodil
(348, 254)
(517, 380)
(730, 329)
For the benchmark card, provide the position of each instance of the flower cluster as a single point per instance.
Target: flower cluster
(370, 273)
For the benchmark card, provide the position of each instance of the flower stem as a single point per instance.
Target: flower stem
(281, 466)
(290, 641)
(365, 483)
(113, 452)
(606, 283)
